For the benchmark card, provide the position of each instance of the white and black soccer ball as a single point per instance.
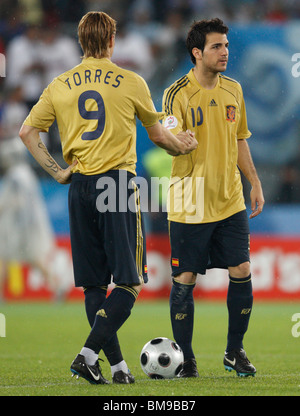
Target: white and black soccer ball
(161, 358)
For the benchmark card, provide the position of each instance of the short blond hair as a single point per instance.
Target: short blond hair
(95, 30)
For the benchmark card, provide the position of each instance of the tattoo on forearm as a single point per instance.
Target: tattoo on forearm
(50, 162)
(52, 165)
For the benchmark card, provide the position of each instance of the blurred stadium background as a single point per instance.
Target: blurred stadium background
(38, 41)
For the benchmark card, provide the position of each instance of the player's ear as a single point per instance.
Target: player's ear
(197, 53)
(111, 45)
(112, 41)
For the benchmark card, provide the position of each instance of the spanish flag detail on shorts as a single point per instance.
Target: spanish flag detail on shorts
(145, 268)
(175, 262)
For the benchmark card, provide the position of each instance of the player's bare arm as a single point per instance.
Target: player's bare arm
(31, 138)
(188, 138)
(246, 165)
(181, 145)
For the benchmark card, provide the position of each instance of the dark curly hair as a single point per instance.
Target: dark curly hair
(197, 34)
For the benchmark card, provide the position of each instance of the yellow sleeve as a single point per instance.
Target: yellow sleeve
(242, 130)
(172, 121)
(144, 106)
(42, 113)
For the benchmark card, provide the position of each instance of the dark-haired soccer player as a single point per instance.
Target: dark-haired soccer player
(208, 222)
(95, 105)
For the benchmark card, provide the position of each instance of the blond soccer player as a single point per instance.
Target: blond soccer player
(95, 105)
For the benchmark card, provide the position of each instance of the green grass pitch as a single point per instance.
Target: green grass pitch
(42, 340)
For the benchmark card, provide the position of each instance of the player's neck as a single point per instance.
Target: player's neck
(207, 79)
(107, 56)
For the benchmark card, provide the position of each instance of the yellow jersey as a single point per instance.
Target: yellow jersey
(205, 185)
(96, 104)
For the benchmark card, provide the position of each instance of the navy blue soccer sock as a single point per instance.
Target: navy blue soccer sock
(182, 316)
(95, 296)
(239, 304)
(110, 317)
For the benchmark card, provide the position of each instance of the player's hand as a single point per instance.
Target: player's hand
(64, 175)
(188, 141)
(257, 200)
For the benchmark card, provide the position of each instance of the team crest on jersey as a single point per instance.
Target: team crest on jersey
(230, 113)
(171, 122)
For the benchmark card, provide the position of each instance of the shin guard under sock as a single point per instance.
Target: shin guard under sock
(182, 316)
(111, 316)
(95, 296)
(239, 304)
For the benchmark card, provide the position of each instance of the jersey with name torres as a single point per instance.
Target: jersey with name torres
(205, 185)
(95, 105)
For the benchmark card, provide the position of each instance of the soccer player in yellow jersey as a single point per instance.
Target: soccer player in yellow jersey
(207, 214)
(95, 105)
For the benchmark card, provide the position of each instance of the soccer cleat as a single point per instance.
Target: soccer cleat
(189, 369)
(237, 360)
(123, 378)
(92, 373)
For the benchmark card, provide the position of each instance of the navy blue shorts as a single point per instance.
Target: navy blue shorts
(107, 238)
(198, 247)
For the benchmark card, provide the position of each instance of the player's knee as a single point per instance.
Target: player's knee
(240, 271)
(186, 278)
(181, 294)
(138, 288)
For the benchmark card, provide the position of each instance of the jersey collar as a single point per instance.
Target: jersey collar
(197, 85)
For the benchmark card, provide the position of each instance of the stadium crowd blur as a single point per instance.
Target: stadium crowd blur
(38, 40)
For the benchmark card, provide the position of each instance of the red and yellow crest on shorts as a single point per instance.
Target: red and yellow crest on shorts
(175, 262)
